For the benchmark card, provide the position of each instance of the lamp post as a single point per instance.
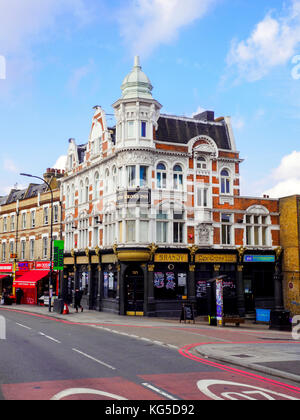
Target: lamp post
(51, 235)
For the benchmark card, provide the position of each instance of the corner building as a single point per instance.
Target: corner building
(152, 210)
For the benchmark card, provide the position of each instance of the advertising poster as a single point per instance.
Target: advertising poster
(219, 301)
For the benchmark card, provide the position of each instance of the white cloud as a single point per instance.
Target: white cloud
(145, 24)
(287, 176)
(10, 166)
(272, 43)
(60, 163)
(78, 75)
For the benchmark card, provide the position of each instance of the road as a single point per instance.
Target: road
(44, 359)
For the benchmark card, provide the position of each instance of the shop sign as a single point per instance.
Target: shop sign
(259, 258)
(6, 268)
(58, 257)
(134, 197)
(180, 258)
(215, 258)
(25, 266)
(42, 265)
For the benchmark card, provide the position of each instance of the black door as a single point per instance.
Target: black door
(134, 291)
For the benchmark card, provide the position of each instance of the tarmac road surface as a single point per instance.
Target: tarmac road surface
(44, 358)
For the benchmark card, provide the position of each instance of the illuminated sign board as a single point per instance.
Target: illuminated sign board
(259, 258)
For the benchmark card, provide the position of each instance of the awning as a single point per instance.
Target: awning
(30, 279)
(3, 277)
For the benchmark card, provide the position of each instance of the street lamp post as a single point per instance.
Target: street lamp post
(51, 235)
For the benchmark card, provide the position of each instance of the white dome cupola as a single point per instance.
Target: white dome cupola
(136, 112)
(136, 84)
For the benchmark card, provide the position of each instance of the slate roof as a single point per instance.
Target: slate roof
(173, 129)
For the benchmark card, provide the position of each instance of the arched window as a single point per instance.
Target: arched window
(161, 176)
(81, 192)
(73, 195)
(106, 180)
(225, 182)
(96, 185)
(86, 195)
(114, 178)
(177, 177)
(201, 163)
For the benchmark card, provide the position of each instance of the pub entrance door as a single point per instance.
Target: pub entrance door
(134, 291)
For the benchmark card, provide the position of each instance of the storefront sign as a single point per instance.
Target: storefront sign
(58, 257)
(180, 258)
(259, 258)
(42, 265)
(6, 268)
(215, 258)
(134, 197)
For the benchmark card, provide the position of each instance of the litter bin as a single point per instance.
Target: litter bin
(58, 306)
(280, 320)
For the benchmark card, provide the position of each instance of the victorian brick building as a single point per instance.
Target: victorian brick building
(152, 210)
(25, 236)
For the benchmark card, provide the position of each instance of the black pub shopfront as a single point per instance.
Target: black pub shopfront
(156, 282)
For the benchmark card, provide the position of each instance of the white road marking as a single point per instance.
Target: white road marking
(23, 326)
(83, 391)
(50, 338)
(95, 360)
(159, 391)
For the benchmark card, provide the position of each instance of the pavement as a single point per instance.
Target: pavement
(250, 346)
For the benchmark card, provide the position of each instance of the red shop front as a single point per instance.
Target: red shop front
(30, 283)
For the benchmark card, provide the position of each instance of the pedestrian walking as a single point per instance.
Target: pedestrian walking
(78, 297)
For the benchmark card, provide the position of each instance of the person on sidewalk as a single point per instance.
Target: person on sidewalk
(78, 297)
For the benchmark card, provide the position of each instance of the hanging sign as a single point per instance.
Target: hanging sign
(259, 258)
(58, 257)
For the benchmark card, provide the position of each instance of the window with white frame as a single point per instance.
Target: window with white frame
(32, 218)
(68, 200)
(130, 129)
(12, 222)
(177, 178)
(86, 190)
(202, 196)
(178, 226)
(55, 214)
(96, 185)
(23, 220)
(81, 192)
(107, 181)
(46, 215)
(257, 230)
(226, 229)
(31, 249)
(11, 247)
(83, 233)
(5, 224)
(3, 251)
(225, 182)
(130, 231)
(45, 247)
(201, 163)
(161, 176)
(69, 236)
(23, 249)
(114, 178)
(131, 175)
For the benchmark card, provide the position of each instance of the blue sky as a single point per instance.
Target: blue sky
(238, 58)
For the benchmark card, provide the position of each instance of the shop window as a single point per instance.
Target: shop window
(169, 285)
(110, 285)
